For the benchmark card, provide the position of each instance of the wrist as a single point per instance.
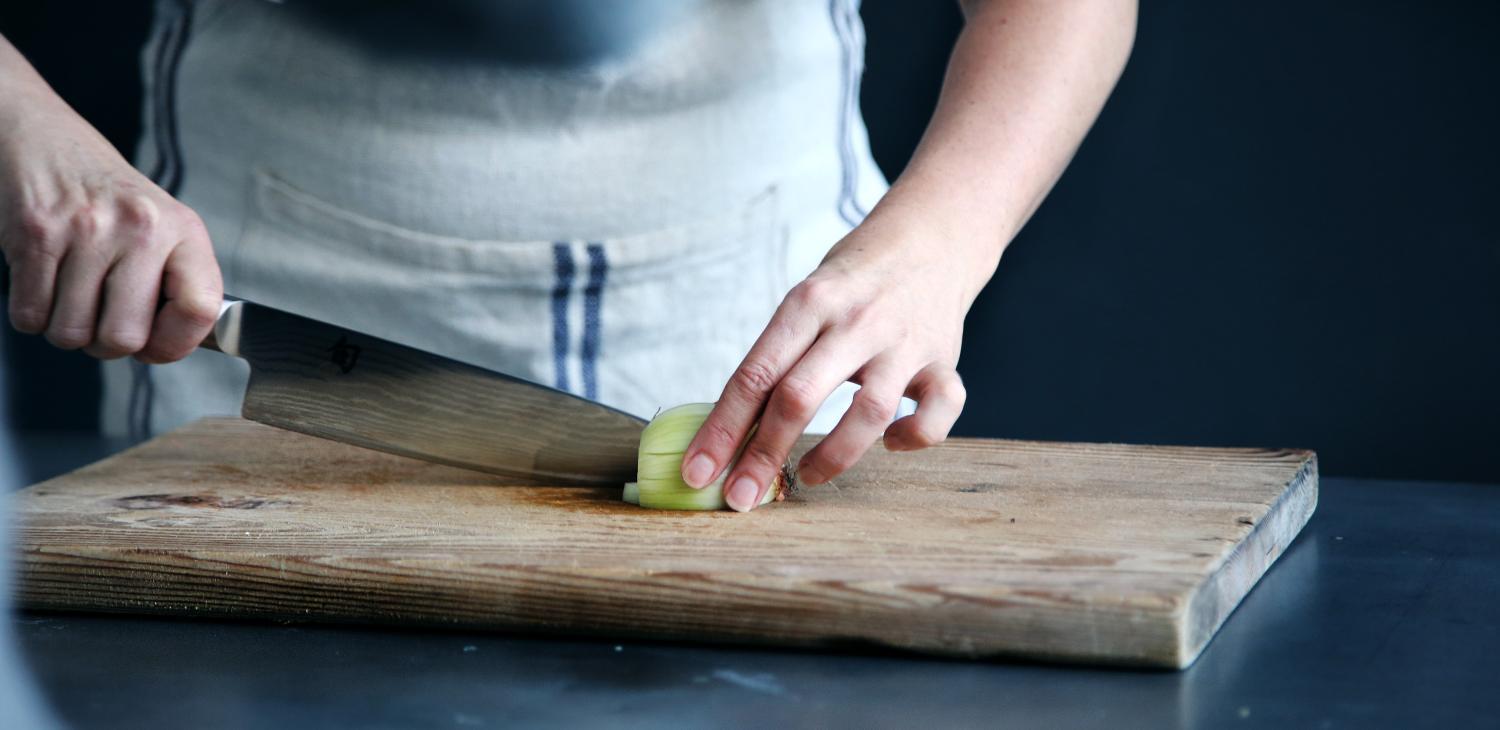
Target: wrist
(938, 228)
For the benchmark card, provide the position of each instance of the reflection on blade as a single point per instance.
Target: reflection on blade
(326, 381)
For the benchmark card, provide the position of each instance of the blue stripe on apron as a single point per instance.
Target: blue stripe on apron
(562, 264)
(593, 296)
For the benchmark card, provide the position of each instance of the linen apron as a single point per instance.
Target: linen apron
(621, 227)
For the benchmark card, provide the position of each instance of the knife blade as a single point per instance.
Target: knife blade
(327, 381)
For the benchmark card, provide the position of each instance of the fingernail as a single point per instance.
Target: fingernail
(699, 471)
(810, 476)
(741, 494)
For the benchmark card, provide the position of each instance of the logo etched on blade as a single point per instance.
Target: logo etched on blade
(345, 355)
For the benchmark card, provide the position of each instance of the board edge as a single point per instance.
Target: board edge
(1211, 604)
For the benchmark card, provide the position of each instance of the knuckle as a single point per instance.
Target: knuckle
(796, 397)
(29, 319)
(90, 222)
(150, 355)
(102, 352)
(140, 213)
(803, 294)
(870, 407)
(156, 353)
(205, 290)
(69, 337)
(833, 461)
(924, 435)
(199, 312)
(118, 342)
(759, 459)
(34, 226)
(716, 437)
(812, 293)
(927, 437)
(755, 379)
(782, 327)
(953, 390)
(836, 463)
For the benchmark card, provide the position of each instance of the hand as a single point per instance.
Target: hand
(885, 309)
(93, 246)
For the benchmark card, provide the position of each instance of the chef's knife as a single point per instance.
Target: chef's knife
(327, 381)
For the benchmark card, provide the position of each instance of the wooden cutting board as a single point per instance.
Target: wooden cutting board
(1093, 553)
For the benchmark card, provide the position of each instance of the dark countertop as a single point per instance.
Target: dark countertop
(1384, 612)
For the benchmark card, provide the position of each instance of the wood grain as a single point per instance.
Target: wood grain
(1093, 553)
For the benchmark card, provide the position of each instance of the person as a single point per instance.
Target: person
(643, 203)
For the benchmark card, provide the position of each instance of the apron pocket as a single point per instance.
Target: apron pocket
(639, 322)
(483, 302)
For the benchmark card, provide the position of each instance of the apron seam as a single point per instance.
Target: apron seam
(166, 173)
(166, 39)
(843, 16)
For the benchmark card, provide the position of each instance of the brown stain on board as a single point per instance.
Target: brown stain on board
(226, 470)
(202, 501)
(578, 500)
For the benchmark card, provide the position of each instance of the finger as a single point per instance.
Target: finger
(940, 396)
(131, 290)
(75, 306)
(869, 414)
(790, 408)
(193, 291)
(786, 339)
(33, 277)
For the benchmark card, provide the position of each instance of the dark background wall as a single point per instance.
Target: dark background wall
(1280, 233)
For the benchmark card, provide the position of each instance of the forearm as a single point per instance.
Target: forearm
(21, 87)
(1026, 80)
(31, 111)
